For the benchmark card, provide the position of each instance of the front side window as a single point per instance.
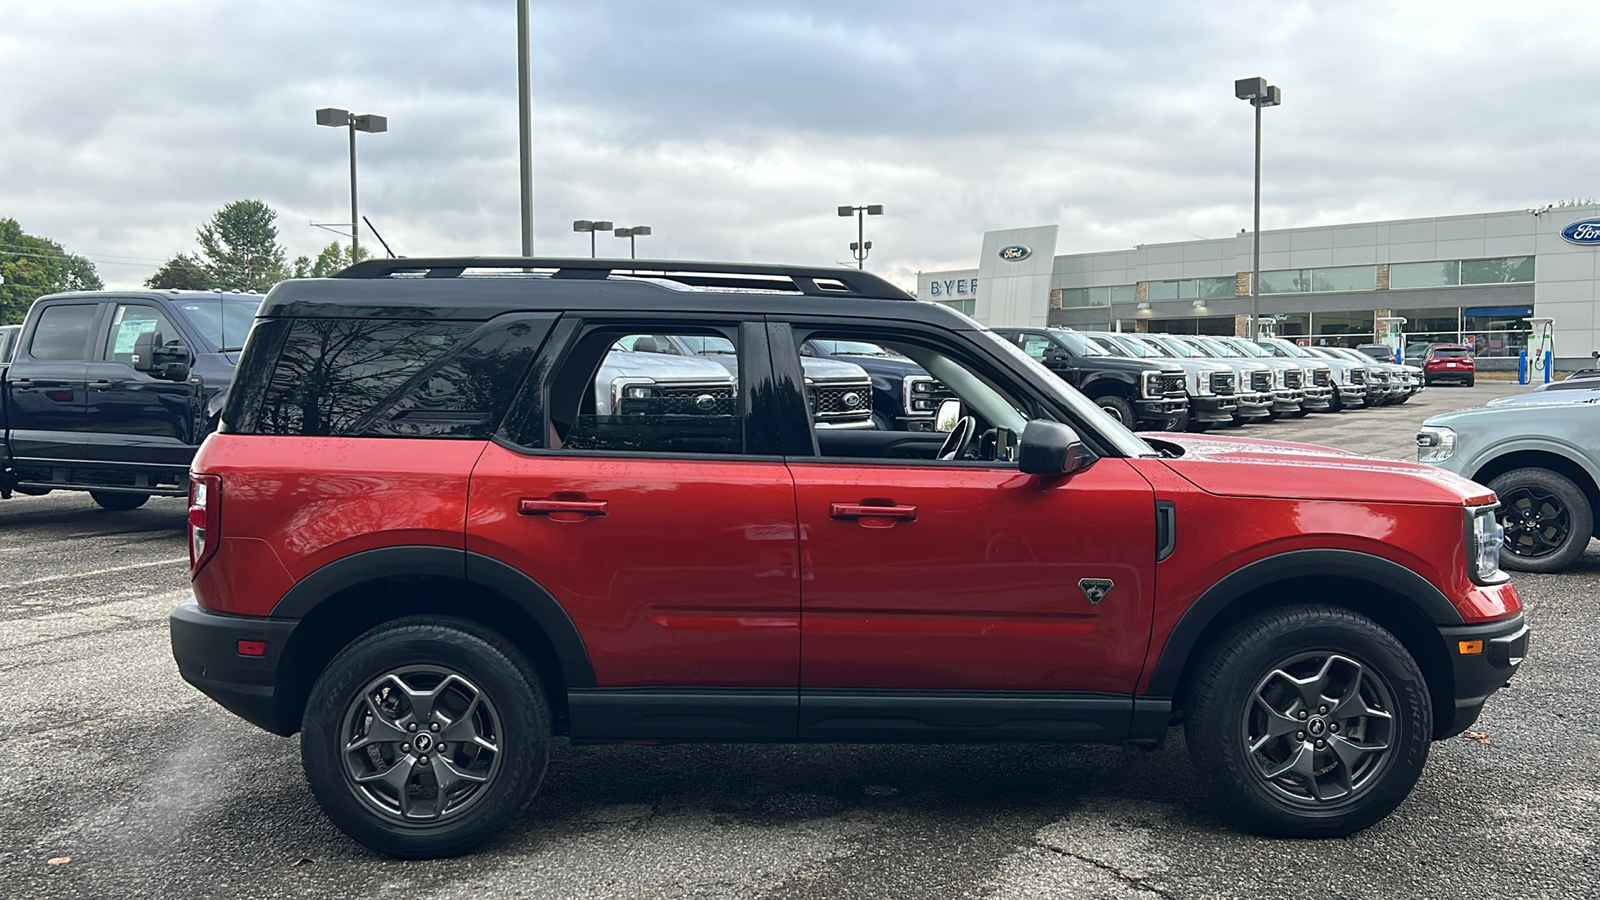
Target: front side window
(674, 392)
(222, 321)
(128, 323)
(63, 332)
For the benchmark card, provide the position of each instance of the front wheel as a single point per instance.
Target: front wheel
(1547, 519)
(1314, 721)
(118, 501)
(425, 736)
(1118, 407)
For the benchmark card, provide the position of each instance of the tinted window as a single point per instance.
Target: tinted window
(63, 332)
(222, 321)
(1451, 351)
(128, 323)
(385, 378)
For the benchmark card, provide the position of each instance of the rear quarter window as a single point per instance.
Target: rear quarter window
(381, 378)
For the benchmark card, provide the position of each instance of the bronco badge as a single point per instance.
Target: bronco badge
(1095, 589)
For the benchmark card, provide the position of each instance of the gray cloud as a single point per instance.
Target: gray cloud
(734, 129)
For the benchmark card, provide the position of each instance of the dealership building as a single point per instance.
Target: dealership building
(1472, 279)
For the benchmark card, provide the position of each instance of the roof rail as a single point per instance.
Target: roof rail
(813, 281)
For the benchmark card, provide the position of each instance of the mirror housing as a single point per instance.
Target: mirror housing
(948, 416)
(144, 351)
(1050, 448)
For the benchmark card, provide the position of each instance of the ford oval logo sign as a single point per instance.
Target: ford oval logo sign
(1586, 231)
(1017, 253)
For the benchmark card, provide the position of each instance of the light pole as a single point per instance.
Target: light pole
(1259, 94)
(342, 118)
(525, 126)
(860, 246)
(636, 231)
(585, 226)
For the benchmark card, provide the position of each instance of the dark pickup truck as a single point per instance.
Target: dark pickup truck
(1141, 394)
(111, 392)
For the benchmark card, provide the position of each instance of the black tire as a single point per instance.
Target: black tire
(1547, 518)
(1471, 380)
(118, 501)
(485, 688)
(1119, 407)
(1233, 738)
(1427, 382)
(1175, 423)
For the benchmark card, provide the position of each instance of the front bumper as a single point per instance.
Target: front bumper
(1161, 411)
(1253, 406)
(206, 647)
(1500, 648)
(1318, 399)
(1352, 393)
(847, 425)
(1212, 409)
(1287, 400)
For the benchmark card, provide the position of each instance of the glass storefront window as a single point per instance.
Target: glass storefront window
(1162, 290)
(1209, 288)
(961, 306)
(1122, 293)
(1506, 270)
(1419, 275)
(1287, 281)
(1345, 278)
(1292, 324)
(1352, 325)
(1431, 320)
(1190, 289)
(1096, 296)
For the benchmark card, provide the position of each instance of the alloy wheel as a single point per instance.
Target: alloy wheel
(1537, 523)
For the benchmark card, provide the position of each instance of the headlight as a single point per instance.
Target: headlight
(1310, 376)
(919, 395)
(1280, 377)
(1150, 385)
(1485, 534)
(1199, 384)
(1344, 376)
(1435, 444)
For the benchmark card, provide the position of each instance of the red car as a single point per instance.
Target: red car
(432, 534)
(1449, 362)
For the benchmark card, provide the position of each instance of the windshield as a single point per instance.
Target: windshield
(1174, 348)
(1218, 348)
(1285, 348)
(854, 348)
(1195, 344)
(703, 344)
(222, 321)
(1131, 346)
(1077, 343)
(1125, 441)
(1249, 348)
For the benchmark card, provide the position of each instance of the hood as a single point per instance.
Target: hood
(1589, 397)
(821, 368)
(662, 366)
(1198, 365)
(892, 366)
(1290, 471)
(1124, 364)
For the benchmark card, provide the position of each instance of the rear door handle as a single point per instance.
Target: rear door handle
(561, 510)
(864, 511)
(23, 383)
(101, 385)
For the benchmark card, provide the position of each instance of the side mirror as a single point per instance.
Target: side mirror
(1050, 448)
(948, 415)
(144, 350)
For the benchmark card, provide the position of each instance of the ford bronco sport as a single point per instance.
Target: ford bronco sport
(421, 542)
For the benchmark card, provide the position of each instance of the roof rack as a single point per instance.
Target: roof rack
(812, 281)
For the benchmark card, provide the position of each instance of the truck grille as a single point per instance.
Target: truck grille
(1292, 379)
(1380, 377)
(1260, 381)
(844, 402)
(1172, 384)
(1319, 377)
(1358, 376)
(1222, 382)
(695, 401)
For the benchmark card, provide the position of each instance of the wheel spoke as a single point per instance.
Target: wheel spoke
(1278, 724)
(448, 774)
(379, 730)
(1302, 762)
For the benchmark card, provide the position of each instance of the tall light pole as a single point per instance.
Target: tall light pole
(343, 118)
(1259, 94)
(860, 246)
(636, 231)
(525, 126)
(585, 226)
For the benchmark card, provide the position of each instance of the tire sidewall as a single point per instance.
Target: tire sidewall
(1124, 409)
(494, 668)
(1216, 710)
(1579, 513)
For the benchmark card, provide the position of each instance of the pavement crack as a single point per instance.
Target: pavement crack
(1138, 884)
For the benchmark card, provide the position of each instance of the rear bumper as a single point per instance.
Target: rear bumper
(206, 647)
(1479, 674)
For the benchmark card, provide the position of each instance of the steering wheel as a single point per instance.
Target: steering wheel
(958, 440)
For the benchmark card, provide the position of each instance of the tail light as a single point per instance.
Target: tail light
(205, 518)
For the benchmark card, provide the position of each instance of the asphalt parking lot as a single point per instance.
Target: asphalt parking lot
(146, 788)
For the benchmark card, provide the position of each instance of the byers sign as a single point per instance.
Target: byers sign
(1584, 231)
(953, 287)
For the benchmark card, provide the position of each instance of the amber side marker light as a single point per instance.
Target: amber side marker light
(259, 648)
(1469, 648)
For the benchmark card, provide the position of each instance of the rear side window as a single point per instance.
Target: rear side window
(63, 332)
(384, 378)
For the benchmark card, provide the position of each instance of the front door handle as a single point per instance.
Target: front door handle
(866, 511)
(101, 385)
(24, 383)
(561, 510)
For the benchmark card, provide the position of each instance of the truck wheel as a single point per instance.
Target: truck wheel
(1314, 721)
(425, 736)
(1547, 519)
(1118, 407)
(118, 501)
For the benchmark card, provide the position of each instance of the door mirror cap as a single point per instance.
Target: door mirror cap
(948, 415)
(144, 350)
(1050, 448)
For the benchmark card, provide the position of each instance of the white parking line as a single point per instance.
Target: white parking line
(143, 565)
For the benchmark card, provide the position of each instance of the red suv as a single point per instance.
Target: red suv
(1448, 361)
(432, 533)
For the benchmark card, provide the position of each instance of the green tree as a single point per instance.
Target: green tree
(239, 247)
(182, 272)
(35, 266)
(334, 258)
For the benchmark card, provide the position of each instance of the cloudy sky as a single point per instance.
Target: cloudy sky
(734, 129)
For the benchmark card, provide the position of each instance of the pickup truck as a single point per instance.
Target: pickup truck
(111, 392)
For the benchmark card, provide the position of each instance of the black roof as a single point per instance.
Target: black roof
(484, 287)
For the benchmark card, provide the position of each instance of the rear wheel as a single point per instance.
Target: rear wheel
(1471, 380)
(1119, 407)
(1314, 720)
(118, 501)
(425, 736)
(1547, 519)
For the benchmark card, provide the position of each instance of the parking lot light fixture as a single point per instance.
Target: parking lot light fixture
(636, 231)
(861, 246)
(334, 117)
(591, 227)
(1258, 94)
